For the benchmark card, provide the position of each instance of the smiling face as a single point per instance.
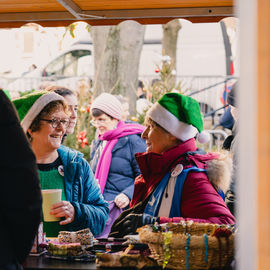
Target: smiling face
(157, 139)
(72, 103)
(47, 138)
(104, 123)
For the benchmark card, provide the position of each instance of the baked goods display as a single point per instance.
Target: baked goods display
(185, 245)
(72, 246)
(84, 237)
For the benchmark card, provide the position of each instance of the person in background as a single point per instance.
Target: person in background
(45, 117)
(72, 102)
(142, 103)
(20, 196)
(112, 156)
(31, 68)
(226, 120)
(231, 143)
(178, 181)
(140, 90)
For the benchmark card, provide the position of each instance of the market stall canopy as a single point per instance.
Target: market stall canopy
(15, 13)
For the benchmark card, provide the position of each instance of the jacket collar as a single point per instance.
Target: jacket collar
(154, 167)
(152, 164)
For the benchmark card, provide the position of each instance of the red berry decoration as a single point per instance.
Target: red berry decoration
(81, 138)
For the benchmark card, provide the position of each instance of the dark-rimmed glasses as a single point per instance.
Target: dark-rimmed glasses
(56, 122)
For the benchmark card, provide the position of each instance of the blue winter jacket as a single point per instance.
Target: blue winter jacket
(83, 192)
(124, 168)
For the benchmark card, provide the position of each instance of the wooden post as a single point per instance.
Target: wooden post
(247, 100)
(254, 100)
(263, 58)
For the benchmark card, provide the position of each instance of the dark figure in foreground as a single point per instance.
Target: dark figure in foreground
(20, 196)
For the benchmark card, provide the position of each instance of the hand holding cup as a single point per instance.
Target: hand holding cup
(49, 198)
(63, 209)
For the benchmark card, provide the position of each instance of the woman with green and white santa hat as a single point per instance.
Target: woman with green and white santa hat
(178, 181)
(44, 118)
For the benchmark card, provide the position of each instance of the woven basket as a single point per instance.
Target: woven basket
(190, 246)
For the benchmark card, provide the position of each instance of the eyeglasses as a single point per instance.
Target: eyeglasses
(98, 122)
(56, 122)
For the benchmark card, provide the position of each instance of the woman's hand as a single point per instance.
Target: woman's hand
(121, 200)
(63, 209)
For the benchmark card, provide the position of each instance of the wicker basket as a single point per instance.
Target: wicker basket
(190, 245)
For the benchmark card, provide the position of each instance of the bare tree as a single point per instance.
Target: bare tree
(117, 51)
(106, 50)
(169, 43)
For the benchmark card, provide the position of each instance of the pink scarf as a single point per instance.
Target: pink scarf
(112, 136)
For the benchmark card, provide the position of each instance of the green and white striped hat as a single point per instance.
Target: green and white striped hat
(29, 106)
(180, 115)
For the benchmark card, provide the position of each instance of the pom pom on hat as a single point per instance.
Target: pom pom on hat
(108, 104)
(180, 115)
(203, 137)
(29, 106)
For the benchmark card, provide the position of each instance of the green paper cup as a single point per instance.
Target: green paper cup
(50, 197)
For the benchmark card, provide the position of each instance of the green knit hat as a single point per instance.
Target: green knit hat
(180, 115)
(29, 106)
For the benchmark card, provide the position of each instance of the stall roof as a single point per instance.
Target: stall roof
(15, 13)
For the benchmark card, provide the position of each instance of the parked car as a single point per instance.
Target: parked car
(65, 68)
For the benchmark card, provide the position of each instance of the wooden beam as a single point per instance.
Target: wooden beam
(9, 6)
(118, 15)
(145, 4)
(71, 7)
(111, 22)
(162, 13)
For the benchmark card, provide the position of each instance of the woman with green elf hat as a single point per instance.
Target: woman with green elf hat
(44, 118)
(178, 182)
